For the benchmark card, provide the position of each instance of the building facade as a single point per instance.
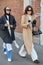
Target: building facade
(18, 7)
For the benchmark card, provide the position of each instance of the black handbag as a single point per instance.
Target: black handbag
(36, 32)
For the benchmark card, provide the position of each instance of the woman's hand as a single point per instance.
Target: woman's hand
(28, 24)
(6, 25)
(11, 26)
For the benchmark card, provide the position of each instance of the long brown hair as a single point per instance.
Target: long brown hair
(27, 9)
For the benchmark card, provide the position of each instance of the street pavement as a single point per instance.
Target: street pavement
(16, 59)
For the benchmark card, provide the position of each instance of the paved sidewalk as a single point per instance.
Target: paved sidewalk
(16, 59)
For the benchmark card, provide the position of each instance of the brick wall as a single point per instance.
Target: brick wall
(17, 10)
(36, 7)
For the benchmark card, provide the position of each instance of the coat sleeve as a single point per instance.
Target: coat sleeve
(23, 24)
(2, 24)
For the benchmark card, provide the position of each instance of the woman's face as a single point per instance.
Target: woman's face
(29, 11)
(8, 10)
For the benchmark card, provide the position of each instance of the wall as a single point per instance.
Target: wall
(17, 10)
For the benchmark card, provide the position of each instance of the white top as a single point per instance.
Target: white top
(8, 24)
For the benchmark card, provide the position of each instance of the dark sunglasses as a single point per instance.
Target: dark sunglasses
(29, 10)
(8, 9)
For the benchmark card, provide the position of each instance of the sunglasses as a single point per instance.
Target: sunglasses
(29, 10)
(8, 9)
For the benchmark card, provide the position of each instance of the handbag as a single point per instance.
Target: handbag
(36, 32)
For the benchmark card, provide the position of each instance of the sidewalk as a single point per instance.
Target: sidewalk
(16, 59)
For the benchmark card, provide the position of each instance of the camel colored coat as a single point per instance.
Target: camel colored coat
(27, 32)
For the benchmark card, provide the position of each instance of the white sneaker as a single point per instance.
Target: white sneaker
(5, 53)
(22, 54)
(9, 59)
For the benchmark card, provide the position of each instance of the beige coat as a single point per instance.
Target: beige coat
(27, 32)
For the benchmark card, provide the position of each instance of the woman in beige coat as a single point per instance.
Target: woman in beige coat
(28, 46)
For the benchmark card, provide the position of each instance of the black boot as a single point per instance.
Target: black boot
(36, 61)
